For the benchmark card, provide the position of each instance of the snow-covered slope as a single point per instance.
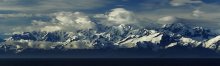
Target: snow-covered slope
(213, 43)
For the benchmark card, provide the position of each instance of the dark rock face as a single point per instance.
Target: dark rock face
(204, 33)
(41, 36)
(167, 39)
(25, 36)
(2, 40)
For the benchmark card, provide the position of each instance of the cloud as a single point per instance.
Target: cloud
(198, 13)
(117, 16)
(27, 15)
(25, 44)
(51, 28)
(76, 20)
(48, 5)
(167, 20)
(15, 15)
(184, 2)
(179, 2)
(72, 21)
(120, 16)
(66, 21)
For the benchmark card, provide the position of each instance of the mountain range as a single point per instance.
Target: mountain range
(119, 36)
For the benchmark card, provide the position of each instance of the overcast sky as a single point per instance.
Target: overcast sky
(26, 15)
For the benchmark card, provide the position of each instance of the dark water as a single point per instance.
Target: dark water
(177, 52)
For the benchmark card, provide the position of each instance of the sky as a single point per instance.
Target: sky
(53, 15)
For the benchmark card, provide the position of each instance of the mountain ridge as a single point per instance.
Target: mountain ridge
(119, 36)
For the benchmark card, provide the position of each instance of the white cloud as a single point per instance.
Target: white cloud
(121, 16)
(51, 28)
(39, 23)
(184, 2)
(76, 20)
(25, 44)
(117, 16)
(179, 2)
(198, 13)
(100, 16)
(167, 20)
(83, 44)
(15, 15)
(66, 21)
(72, 19)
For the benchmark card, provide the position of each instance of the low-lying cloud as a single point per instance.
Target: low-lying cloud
(117, 16)
(67, 21)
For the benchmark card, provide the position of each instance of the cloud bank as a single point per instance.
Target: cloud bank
(67, 21)
(27, 15)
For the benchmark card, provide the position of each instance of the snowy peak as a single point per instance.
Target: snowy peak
(198, 33)
(213, 43)
(176, 27)
(131, 41)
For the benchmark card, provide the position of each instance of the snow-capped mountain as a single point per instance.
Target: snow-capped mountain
(119, 36)
(194, 32)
